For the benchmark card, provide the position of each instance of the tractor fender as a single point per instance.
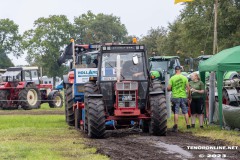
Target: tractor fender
(50, 95)
(230, 75)
(65, 81)
(23, 84)
(156, 93)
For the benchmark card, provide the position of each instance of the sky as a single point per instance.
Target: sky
(139, 16)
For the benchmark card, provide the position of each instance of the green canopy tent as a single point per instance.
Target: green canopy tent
(226, 60)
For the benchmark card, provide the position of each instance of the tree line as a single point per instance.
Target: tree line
(190, 35)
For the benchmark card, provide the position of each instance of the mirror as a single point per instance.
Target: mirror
(135, 59)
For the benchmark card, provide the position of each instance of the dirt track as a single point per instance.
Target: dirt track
(130, 145)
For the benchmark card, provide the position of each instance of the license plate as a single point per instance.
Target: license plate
(126, 98)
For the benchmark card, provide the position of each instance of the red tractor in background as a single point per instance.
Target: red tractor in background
(21, 88)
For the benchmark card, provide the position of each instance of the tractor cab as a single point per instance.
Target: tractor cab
(20, 74)
(128, 69)
(122, 66)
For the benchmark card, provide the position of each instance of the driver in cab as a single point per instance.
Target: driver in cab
(133, 69)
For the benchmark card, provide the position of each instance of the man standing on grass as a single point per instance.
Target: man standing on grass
(178, 85)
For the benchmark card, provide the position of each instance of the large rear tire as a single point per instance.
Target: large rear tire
(96, 118)
(4, 97)
(89, 88)
(29, 97)
(158, 123)
(155, 86)
(69, 106)
(56, 101)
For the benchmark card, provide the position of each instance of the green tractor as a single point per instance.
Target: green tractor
(162, 65)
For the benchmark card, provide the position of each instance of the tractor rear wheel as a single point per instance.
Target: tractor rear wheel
(96, 118)
(4, 97)
(158, 123)
(155, 86)
(69, 106)
(30, 97)
(56, 101)
(89, 88)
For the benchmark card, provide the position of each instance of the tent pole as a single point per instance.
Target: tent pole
(211, 96)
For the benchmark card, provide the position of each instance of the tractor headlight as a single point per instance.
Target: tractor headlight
(80, 88)
(121, 104)
(132, 104)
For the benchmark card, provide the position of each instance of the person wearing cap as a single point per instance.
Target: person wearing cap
(178, 85)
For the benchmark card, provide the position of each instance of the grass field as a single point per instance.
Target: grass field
(211, 131)
(42, 137)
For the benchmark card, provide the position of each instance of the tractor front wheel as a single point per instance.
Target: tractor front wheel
(158, 123)
(96, 118)
(29, 97)
(89, 88)
(55, 101)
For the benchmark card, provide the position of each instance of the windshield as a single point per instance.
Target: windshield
(159, 65)
(128, 70)
(87, 60)
(11, 76)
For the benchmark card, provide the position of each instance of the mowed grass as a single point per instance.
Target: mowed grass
(211, 131)
(42, 137)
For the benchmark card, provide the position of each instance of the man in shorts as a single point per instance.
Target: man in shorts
(178, 85)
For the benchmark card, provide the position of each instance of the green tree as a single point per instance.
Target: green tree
(44, 42)
(5, 62)
(192, 32)
(10, 42)
(90, 28)
(155, 40)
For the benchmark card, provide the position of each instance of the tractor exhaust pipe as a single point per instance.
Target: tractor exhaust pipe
(118, 68)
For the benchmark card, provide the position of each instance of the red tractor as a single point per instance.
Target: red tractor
(21, 88)
(123, 93)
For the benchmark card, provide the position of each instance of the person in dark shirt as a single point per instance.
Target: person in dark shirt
(197, 93)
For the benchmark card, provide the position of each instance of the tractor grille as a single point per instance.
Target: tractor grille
(127, 86)
(127, 99)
